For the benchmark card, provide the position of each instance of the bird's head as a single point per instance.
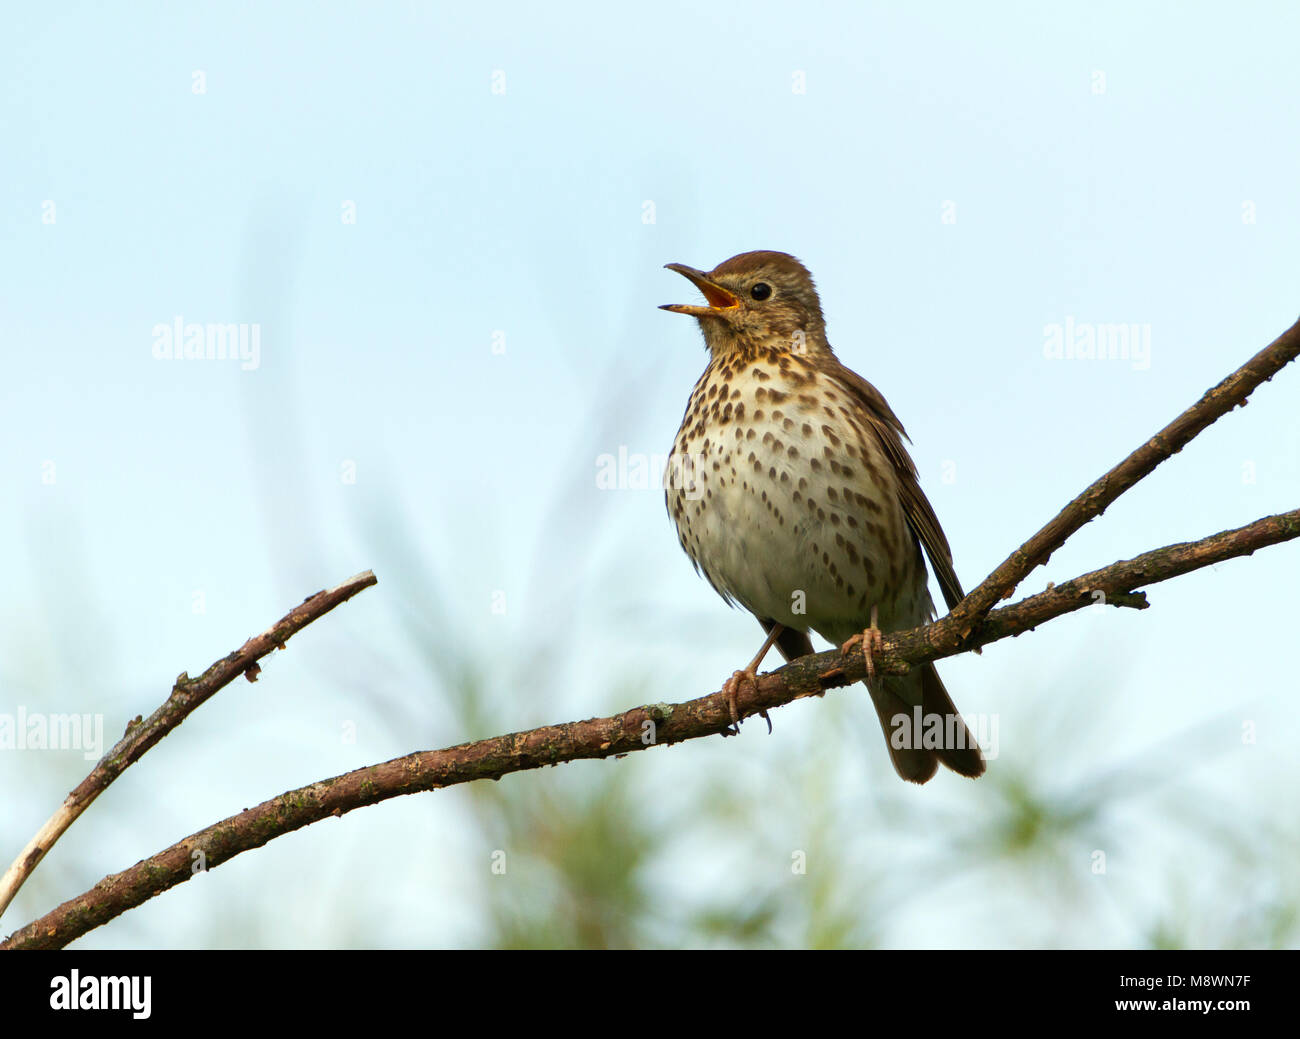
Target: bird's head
(756, 301)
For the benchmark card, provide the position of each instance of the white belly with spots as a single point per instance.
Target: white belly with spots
(780, 509)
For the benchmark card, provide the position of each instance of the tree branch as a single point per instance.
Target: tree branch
(1116, 582)
(1216, 402)
(186, 696)
(633, 730)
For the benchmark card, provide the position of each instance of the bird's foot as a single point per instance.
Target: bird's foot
(872, 643)
(747, 677)
(731, 688)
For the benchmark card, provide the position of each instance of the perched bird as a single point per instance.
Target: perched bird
(794, 495)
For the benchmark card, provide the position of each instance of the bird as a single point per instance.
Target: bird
(793, 493)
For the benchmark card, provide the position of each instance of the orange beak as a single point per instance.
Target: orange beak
(720, 299)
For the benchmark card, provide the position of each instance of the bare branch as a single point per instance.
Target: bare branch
(186, 696)
(1216, 402)
(633, 730)
(1105, 586)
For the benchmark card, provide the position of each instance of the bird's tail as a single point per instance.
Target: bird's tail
(923, 728)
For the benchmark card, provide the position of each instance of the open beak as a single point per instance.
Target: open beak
(720, 299)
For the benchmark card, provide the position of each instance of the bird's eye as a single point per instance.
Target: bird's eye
(761, 290)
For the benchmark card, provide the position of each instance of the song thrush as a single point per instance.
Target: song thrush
(793, 493)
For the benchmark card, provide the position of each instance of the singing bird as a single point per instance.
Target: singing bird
(794, 495)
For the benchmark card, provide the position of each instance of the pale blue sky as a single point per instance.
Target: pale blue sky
(1104, 165)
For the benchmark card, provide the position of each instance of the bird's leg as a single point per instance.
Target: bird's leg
(872, 643)
(747, 676)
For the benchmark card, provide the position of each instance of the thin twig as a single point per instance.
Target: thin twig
(186, 696)
(633, 730)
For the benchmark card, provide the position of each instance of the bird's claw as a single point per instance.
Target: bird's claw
(730, 688)
(873, 642)
(748, 676)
